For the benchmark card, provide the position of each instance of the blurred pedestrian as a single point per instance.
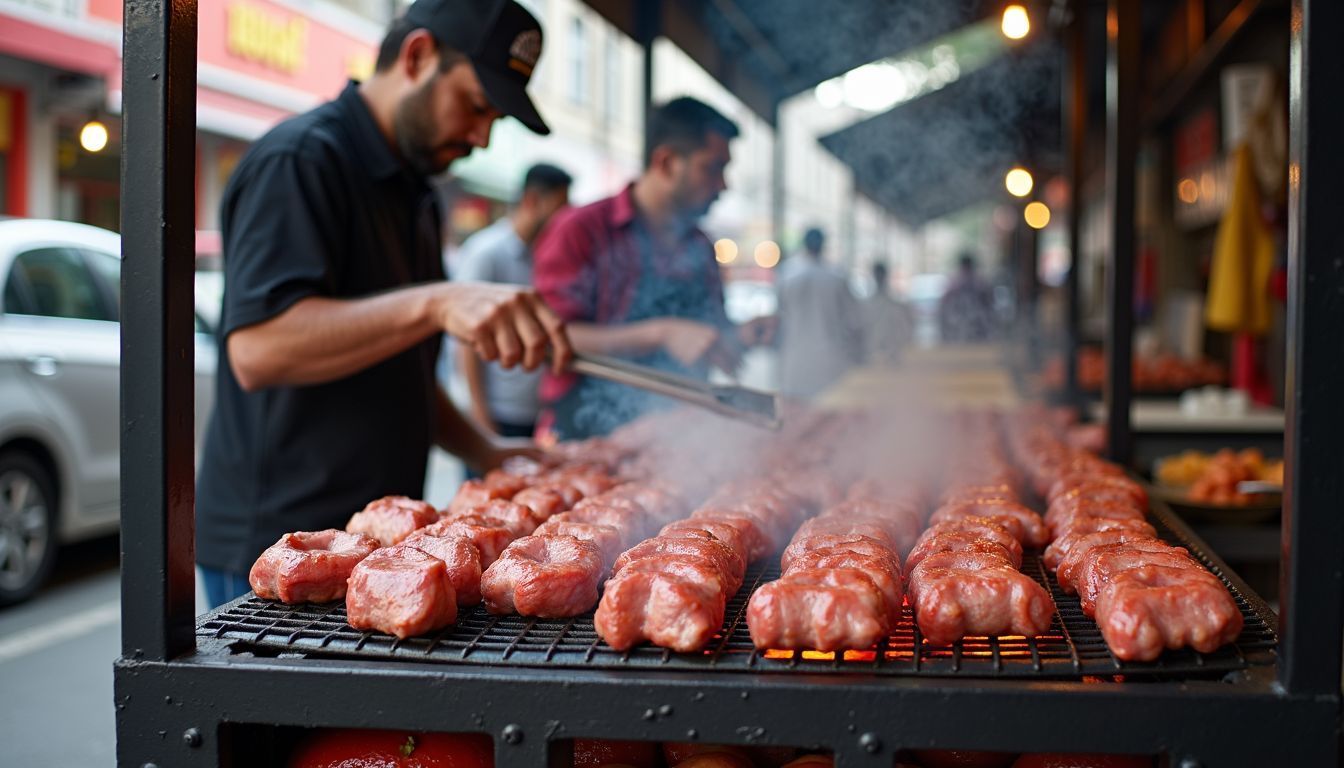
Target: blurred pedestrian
(819, 322)
(966, 311)
(634, 276)
(506, 401)
(888, 324)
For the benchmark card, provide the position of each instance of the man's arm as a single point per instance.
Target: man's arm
(473, 370)
(320, 339)
(459, 436)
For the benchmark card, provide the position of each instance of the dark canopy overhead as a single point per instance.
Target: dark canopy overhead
(767, 50)
(951, 148)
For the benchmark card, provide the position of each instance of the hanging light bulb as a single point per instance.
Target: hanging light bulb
(1016, 22)
(1019, 182)
(93, 136)
(767, 254)
(1037, 215)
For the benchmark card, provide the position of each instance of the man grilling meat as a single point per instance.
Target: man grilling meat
(335, 297)
(636, 277)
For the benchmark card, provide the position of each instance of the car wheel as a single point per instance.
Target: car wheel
(27, 526)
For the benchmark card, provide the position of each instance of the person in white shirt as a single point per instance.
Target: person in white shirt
(507, 401)
(819, 323)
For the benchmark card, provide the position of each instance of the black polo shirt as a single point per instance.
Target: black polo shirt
(319, 206)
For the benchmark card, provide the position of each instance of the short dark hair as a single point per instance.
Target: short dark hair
(390, 48)
(683, 123)
(880, 272)
(544, 177)
(814, 239)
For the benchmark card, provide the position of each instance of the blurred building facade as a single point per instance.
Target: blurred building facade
(263, 60)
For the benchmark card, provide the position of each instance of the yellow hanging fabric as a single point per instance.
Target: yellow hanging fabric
(1243, 257)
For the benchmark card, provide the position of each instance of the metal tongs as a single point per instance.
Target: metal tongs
(741, 403)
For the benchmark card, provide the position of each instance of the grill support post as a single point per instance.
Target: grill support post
(1122, 141)
(1313, 526)
(1075, 131)
(158, 213)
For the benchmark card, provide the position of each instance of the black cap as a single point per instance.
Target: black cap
(503, 42)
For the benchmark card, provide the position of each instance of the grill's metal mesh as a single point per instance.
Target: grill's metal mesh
(1072, 649)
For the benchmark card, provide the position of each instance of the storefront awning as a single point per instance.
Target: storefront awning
(950, 149)
(767, 50)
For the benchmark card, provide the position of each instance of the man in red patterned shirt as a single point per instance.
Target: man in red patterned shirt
(634, 276)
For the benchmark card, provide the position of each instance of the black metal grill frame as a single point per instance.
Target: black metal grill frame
(1073, 649)
(178, 697)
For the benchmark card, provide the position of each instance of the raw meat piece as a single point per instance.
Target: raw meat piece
(486, 534)
(621, 514)
(961, 541)
(852, 542)
(727, 533)
(883, 571)
(401, 591)
(549, 576)
(1062, 514)
(1025, 525)
(713, 551)
(309, 567)
(982, 527)
(760, 539)
(460, 557)
(1093, 486)
(665, 609)
(959, 594)
(827, 610)
(822, 526)
(542, 501)
(607, 538)
(515, 517)
(1082, 527)
(496, 485)
(392, 518)
(1094, 569)
(1148, 609)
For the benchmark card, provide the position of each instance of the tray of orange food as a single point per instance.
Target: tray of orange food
(1228, 486)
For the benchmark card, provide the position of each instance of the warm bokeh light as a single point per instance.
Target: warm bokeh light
(1016, 23)
(1037, 215)
(93, 136)
(1207, 185)
(767, 254)
(1187, 190)
(1019, 182)
(725, 251)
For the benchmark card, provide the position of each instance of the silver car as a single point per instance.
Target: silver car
(59, 393)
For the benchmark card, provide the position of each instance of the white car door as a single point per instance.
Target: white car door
(66, 334)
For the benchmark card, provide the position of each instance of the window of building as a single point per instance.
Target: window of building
(611, 78)
(578, 62)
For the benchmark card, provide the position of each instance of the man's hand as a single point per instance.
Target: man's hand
(507, 323)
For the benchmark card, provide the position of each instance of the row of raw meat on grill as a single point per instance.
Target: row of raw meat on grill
(540, 538)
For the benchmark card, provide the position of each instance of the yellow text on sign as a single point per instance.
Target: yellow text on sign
(267, 39)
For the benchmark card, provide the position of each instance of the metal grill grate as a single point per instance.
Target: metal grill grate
(1072, 649)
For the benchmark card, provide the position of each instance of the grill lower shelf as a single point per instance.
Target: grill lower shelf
(1072, 649)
